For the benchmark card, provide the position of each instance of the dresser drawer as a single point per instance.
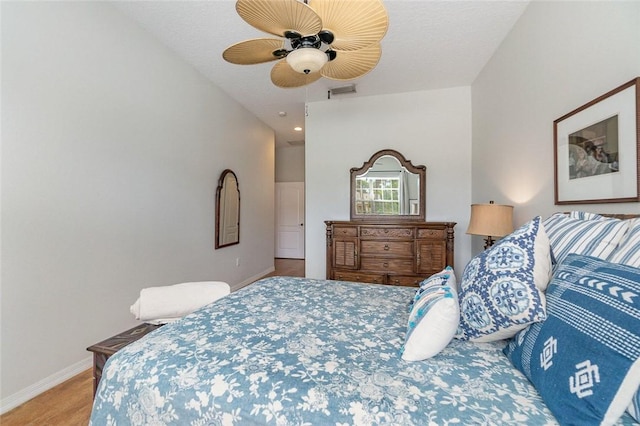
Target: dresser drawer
(359, 277)
(345, 231)
(391, 232)
(431, 233)
(406, 280)
(401, 266)
(402, 248)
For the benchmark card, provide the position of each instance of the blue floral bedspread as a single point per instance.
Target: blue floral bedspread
(291, 351)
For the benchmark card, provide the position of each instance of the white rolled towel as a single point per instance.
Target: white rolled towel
(160, 305)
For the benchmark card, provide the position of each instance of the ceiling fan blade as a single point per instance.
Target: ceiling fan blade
(352, 64)
(277, 16)
(355, 24)
(254, 51)
(282, 75)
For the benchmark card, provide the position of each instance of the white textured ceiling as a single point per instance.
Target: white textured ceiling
(429, 45)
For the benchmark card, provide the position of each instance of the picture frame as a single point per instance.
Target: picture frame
(597, 149)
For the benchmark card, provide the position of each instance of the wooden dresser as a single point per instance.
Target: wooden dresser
(395, 253)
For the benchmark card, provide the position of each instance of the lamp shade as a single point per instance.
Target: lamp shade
(306, 60)
(494, 220)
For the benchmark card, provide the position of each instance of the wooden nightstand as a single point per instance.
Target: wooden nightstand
(103, 350)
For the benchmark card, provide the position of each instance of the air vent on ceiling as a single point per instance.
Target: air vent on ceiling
(295, 143)
(342, 90)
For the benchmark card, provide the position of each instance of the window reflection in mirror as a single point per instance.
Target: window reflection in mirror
(387, 189)
(388, 186)
(227, 210)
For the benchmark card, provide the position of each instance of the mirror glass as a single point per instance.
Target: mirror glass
(227, 210)
(388, 186)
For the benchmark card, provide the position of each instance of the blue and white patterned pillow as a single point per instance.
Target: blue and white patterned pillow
(634, 407)
(433, 319)
(628, 251)
(502, 288)
(586, 215)
(584, 360)
(583, 233)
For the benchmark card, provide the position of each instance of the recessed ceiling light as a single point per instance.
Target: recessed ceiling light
(297, 129)
(282, 113)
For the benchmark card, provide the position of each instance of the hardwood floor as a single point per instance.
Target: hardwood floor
(288, 267)
(69, 403)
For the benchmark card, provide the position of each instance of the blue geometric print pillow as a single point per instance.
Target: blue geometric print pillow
(502, 288)
(584, 360)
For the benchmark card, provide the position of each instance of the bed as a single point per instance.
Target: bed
(311, 352)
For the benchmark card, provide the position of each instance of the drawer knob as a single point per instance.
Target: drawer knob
(385, 264)
(386, 231)
(386, 247)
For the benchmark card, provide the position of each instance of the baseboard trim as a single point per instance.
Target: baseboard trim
(254, 278)
(30, 392)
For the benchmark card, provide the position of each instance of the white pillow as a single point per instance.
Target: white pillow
(434, 317)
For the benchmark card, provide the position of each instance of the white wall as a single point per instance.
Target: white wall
(559, 56)
(431, 128)
(112, 148)
(290, 164)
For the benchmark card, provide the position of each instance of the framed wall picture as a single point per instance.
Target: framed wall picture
(597, 149)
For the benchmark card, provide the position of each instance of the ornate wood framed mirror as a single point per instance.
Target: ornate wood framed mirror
(227, 210)
(388, 187)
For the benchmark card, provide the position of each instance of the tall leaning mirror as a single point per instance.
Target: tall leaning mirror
(227, 210)
(388, 187)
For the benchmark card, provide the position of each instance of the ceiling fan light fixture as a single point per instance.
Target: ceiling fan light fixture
(335, 39)
(307, 60)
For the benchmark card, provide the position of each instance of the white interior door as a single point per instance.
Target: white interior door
(290, 220)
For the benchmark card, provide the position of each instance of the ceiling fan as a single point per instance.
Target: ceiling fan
(336, 39)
